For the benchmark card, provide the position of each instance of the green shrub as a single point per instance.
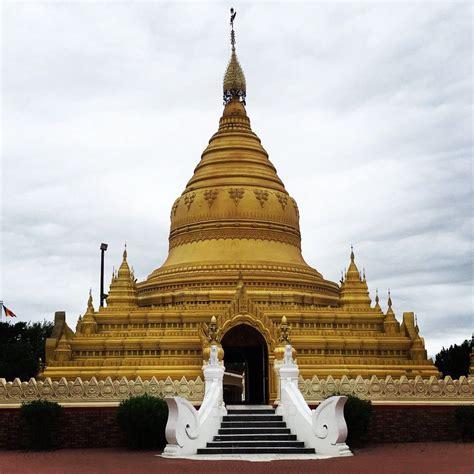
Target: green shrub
(464, 416)
(357, 413)
(41, 418)
(143, 420)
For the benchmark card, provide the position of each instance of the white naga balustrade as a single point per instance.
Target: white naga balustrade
(324, 428)
(189, 429)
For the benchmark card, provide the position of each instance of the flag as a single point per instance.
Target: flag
(9, 312)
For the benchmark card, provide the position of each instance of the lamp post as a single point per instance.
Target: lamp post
(103, 248)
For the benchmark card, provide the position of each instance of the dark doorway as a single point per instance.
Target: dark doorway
(245, 354)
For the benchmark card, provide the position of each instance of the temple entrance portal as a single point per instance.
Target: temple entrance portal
(246, 364)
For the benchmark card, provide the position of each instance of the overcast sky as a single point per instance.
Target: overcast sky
(365, 110)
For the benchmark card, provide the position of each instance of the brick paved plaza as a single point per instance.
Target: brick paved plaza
(392, 458)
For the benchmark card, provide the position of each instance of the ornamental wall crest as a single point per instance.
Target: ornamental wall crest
(210, 196)
(283, 200)
(189, 199)
(236, 194)
(296, 207)
(175, 207)
(261, 195)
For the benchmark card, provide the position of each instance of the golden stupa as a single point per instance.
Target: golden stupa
(235, 253)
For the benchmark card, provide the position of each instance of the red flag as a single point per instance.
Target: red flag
(9, 312)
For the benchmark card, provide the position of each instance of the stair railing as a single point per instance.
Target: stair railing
(189, 429)
(324, 428)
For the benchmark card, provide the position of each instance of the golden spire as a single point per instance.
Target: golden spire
(235, 87)
(389, 300)
(90, 306)
(377, 299)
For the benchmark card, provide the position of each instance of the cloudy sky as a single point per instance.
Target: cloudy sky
(365, 110)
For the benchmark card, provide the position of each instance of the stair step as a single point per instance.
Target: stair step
(249, 407)
(246, 418)
(255, 437)
(255, 444)
(260, 411)
(253, 424)
(253, 431)
(256, 450)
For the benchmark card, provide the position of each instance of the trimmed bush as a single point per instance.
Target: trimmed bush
(41, 418)
(143, 419)
(464, 416)
(357, 413)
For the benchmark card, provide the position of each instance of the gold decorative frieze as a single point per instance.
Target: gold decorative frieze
(261, 195)
(236, 194)
(175, 207)
(210, 196)
(80, 391)
(384, 390)
(390, 389)
(283, 200)
(189, 199)
(234, 233)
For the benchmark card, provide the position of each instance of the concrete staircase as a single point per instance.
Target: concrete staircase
(254, 429)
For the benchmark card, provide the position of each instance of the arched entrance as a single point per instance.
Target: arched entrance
(246, 355)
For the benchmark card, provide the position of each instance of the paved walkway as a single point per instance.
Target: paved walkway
(419, 458)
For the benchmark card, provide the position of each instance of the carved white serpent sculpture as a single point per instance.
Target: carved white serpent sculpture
(189, 429)
(324, 428)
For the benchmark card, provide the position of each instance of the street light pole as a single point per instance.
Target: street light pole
(103, 248)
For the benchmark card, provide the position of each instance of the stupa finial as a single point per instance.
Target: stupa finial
(389, 299)
(233, 14)
(234, 79)
(90, 306)
(352, 253)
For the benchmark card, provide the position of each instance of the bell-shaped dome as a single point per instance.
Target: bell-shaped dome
(235, 219)
(235, 215)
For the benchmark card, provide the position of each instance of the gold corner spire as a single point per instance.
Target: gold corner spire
(235, 87)
(89, 301)
(389, 300)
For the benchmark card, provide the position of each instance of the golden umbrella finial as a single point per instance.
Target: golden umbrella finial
(234, 79)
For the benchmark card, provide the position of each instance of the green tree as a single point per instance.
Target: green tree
(22, 344)
(455, 360)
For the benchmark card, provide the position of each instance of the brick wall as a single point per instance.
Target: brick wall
(395, 423)
(78, 428)
(97, 427)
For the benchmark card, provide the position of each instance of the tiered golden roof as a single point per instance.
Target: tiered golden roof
(235, 252)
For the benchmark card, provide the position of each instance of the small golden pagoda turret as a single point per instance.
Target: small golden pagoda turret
(123, 288)
(354, 291)
(63, 351)
(88, 324)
